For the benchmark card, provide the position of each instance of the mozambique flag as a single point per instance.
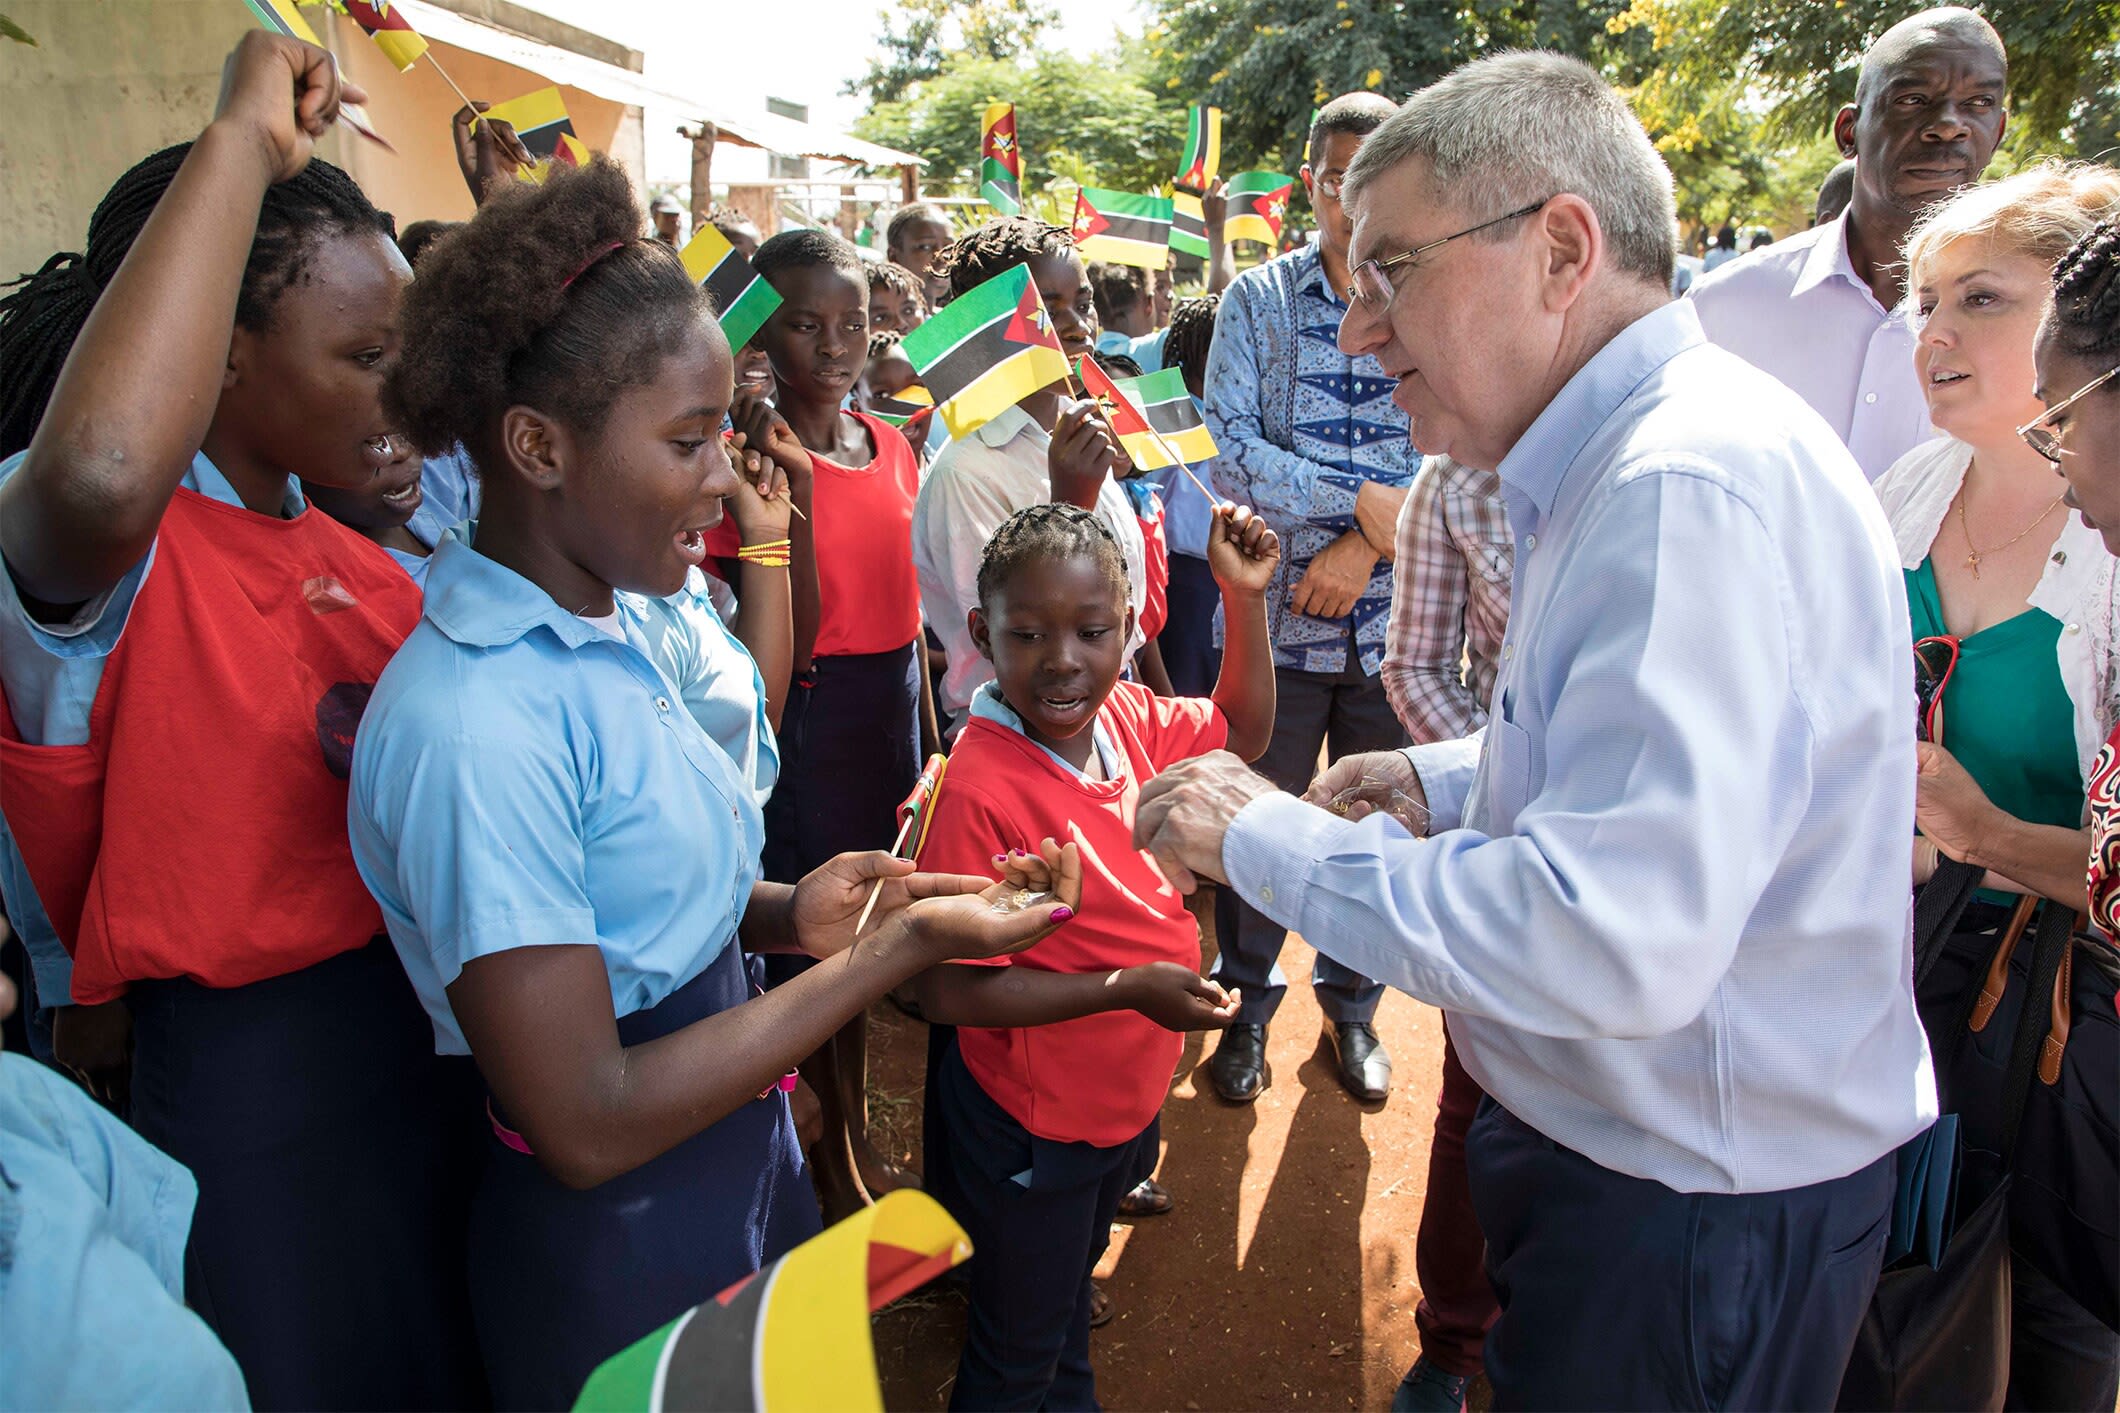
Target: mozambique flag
(384, 23)
(986, 350)
(742, 299)
(1000, 160)
(540, 120)
(902, 406)
(1138, 409)
(1188, 226)
(795, 1336)
(1203, 148)
(1258, 201)
(1123, 228)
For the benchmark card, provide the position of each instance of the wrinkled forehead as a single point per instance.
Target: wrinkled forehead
(1396, 210)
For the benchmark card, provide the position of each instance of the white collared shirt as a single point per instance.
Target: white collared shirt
(2077, 585)
(977, 482)
(1798, 310)
(1666, 905)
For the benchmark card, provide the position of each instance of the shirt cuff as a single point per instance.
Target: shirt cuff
(1271, 847)
(1446, 769)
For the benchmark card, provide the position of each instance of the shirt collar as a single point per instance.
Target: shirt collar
(1310, 272)
(988, 705)
(1001, 429)
(481, 603)
(1828, 259)
(1543, 455)
(207, 480)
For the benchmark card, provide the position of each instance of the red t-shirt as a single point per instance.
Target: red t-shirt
(861, 518)
(1098, 1079)
(1156, 612)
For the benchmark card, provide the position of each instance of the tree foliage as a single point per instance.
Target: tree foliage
(919, 38)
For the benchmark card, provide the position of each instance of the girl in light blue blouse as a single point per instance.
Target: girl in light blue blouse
(564, 835)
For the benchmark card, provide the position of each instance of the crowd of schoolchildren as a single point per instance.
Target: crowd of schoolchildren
(457, 709)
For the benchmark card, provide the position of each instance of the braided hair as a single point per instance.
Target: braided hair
(587, 309)
(48, 309)
(1192, 330)
(2086, 314)
(1002, 244)
(1052, 530)
(880, 344)
(899, 280)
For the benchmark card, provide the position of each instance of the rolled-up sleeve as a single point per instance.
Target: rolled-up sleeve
(1610, 900)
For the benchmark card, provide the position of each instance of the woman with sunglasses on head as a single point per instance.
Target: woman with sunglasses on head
(2016, 623)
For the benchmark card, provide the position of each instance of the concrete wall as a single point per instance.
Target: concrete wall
(112, 80)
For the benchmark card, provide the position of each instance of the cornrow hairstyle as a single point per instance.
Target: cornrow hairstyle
(1001, 244)
(1052, 530)
(880, 344)
(1119, 365)
(1192, 331)
(587, 309)
(41, 319)
(901, 281)
(1116, 288)
(802, 247)
(2086, 314)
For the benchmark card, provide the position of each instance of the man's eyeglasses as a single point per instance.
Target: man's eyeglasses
(1935, 659)
(1371, 286)
(2044, 439)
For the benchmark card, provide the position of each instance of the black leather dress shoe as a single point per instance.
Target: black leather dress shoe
(1365, 1065)
(1239, 1066)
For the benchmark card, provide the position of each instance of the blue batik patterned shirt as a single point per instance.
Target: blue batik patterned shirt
(1300, 427)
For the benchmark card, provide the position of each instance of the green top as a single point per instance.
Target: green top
(2006, 714)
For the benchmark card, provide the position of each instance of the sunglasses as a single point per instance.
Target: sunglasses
(1935, 659)
(2044, 439)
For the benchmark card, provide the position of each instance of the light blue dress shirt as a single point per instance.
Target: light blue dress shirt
(1667, 902)
(522, 779)
(93, 1220)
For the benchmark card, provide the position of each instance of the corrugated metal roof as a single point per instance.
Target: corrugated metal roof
(767, 130)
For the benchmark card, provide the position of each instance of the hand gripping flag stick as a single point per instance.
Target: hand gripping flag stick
(1110, 398)
(917, 810)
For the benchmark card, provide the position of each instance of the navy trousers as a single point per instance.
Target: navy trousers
(1039, 1214)
(1187, 641)
(1618, 1292)
(336, 1155)
(849, 754)
(1348, 713)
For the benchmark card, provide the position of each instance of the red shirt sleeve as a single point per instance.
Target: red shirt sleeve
(967, 830)
(1171, 728)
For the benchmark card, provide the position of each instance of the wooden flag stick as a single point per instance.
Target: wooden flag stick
(475, 114)
(1161, 445)
(877, 891)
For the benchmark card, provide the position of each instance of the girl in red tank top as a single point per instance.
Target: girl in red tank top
(185, 652)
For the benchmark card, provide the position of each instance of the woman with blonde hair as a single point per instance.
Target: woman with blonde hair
(2015, 624)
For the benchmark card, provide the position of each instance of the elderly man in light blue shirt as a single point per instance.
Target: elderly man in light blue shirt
(1663, 896)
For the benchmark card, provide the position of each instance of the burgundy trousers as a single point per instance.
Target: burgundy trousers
(1449, 1256)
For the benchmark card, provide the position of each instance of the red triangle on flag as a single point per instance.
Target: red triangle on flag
(1029, 324)
(1089, 220)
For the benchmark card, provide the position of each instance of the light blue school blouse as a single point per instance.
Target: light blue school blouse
(523, 779)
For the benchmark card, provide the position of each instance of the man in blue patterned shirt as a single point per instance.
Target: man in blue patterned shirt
(1310, 439)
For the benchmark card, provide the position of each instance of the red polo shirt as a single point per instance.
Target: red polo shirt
(1099, 1079)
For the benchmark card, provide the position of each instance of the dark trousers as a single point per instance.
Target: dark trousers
(1618, 1292)
(1039, 1214)
(336, 1155)
(1349, 713)
(1450, 1253)
(849, 754)
(1187, 641)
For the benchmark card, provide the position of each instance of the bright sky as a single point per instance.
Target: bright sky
(801, 50)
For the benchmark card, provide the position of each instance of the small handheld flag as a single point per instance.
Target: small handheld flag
(1000, 160)
(915, 812)
(743, 301)
(1188, 229)
(386, 24)
(540, 120)
(281, 17)
(1258, 204)
(986, 350)
(1139, 409)
(1308, 129)
(1123, 228)
(1202, 161)
(903, 406)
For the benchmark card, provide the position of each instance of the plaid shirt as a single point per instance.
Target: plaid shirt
(1300, 427)
(1449, 601)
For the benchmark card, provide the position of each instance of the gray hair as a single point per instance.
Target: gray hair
(1504, 132)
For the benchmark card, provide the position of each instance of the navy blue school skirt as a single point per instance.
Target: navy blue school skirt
(561, 1280)
(336, 1156)
(849, 755)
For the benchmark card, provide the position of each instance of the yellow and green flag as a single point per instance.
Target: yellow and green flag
(1000, 160)
(901, 407)
(1258, 204)
(1188, 227)
(743, 301)
(386, 24)
(1138, 410)
(1203, 148)
(1123, 228)
(540, 120)
(986, 350)
(794, 1337)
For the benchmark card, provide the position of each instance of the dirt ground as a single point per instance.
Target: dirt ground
(1283, 1277)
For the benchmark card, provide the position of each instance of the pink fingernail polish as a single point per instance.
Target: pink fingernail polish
(1062, 914)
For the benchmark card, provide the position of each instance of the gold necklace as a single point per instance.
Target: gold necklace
(1974, 554)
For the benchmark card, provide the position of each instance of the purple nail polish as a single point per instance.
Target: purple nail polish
(1062, 914)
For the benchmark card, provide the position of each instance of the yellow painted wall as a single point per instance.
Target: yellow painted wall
(113, 80)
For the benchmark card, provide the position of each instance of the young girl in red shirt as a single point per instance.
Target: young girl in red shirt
(1048, 1104)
